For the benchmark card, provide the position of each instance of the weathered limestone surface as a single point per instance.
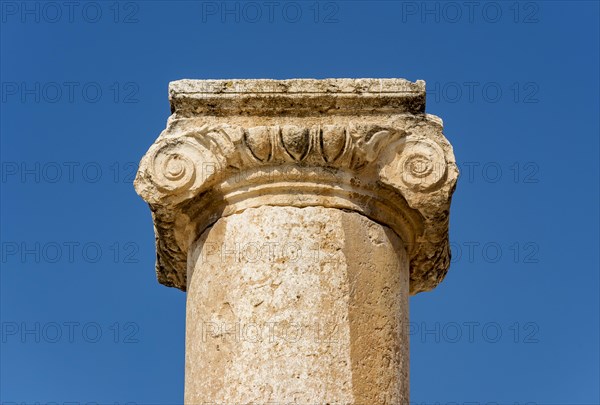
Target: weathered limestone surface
(351, 175)
(299, 306)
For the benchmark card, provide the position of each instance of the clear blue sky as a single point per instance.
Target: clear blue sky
(84, 94)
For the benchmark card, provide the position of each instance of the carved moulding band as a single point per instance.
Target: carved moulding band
(400, 174)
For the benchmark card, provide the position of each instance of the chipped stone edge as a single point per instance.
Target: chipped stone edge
(428, 265)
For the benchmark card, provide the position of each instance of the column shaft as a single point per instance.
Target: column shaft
(297, 305)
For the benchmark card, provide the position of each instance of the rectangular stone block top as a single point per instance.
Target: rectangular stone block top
(298, 97)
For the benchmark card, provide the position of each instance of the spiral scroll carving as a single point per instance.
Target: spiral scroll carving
(185, 163)
(421, 164)
(397, 172)
(180, 165)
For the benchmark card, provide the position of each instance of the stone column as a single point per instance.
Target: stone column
(299, 215)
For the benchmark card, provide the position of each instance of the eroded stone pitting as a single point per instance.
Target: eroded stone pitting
(401, 152)
(297, 305)
(353, 166)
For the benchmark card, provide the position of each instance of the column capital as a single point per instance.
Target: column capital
(364, 145)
